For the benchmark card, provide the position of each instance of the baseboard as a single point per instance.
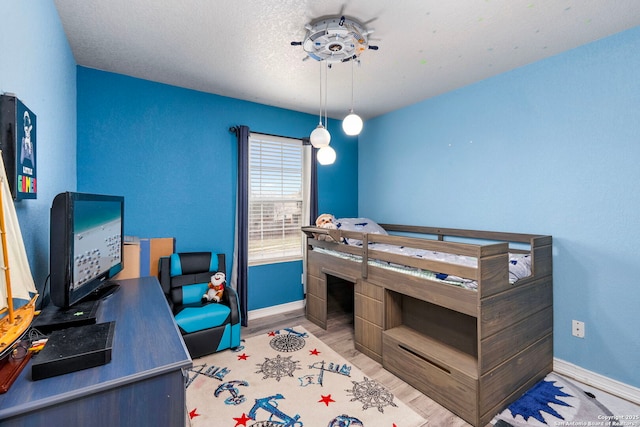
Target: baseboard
(276, 309)
(598, 381)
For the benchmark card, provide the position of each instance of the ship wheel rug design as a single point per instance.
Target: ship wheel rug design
(289, 378)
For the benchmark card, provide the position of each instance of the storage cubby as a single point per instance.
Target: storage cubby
(329, 295)
(451, 328)
(434, 349)
(339, 298)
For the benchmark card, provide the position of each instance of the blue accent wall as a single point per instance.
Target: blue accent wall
(276, 291)
(169, 151)
(38, 67)
(550, 148)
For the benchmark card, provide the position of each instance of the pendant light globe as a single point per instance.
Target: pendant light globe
(320, 137)
(352, 124)
(326, 155)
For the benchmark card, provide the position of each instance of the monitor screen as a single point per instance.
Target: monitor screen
(86, 244)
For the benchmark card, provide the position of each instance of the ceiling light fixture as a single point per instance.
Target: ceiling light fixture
(352, 124)
(329, 40)
(335, 39)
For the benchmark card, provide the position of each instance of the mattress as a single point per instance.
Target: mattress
(519, 264)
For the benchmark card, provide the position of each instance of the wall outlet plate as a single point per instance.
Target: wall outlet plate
(577, 328)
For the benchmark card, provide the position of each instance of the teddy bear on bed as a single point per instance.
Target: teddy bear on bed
(216, 288)
(327, 221)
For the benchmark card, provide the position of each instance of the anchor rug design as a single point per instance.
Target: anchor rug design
(289, 378)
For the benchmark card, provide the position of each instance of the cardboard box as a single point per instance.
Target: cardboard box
(131, 261)
(141, 256)
(151, 250)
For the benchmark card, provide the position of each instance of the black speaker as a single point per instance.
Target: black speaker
(74, 349)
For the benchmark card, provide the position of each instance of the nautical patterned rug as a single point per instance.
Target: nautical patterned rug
(558, 401)
(289, 378)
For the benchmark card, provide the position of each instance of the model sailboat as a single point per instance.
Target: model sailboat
(16, 281)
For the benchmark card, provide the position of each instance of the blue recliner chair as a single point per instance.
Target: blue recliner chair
(206, 327)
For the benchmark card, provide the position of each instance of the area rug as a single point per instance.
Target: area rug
(558, 401)
(289, 378)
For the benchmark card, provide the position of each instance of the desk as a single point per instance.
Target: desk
(142, 385)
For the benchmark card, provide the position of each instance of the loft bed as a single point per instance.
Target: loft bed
(465, 316)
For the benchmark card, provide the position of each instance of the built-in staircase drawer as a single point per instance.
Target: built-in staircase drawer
(403, 355)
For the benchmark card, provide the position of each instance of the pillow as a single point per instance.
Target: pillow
(361, 225)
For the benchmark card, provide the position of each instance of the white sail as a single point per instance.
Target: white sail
(21, 279)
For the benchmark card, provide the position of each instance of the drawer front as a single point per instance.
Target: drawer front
(368, 335)
(372, 291)
(316, 287)
(314, 263)
(368, 309)
(436, 382)
(317, 310)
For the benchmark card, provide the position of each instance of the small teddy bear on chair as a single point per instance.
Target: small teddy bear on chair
(216, 288)
(327, 221)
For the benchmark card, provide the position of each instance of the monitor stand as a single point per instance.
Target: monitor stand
(104, 291)
(53, 318)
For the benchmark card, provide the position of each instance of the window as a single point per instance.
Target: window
(277, 199)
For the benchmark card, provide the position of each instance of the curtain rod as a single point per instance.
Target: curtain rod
(305, 140)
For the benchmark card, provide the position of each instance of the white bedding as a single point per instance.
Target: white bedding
(519, 264)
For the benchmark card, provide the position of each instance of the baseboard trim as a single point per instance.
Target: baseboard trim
(276, 309)
(598, 381)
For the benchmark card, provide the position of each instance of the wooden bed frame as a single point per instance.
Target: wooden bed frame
(473, 351)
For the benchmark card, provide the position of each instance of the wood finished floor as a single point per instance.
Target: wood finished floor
(339, 336)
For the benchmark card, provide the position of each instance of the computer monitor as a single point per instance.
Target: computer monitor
(86, 246)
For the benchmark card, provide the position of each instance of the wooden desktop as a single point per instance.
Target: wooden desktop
(143, 384)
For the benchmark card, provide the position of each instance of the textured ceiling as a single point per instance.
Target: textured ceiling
(242, 48)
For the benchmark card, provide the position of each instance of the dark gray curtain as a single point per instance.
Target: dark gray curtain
(242, 217)
(241, 252)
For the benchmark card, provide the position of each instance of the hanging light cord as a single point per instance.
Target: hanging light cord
(326, 83)
(352, 84)
(320, 114)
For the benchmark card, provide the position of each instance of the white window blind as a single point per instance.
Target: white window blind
(276, 199)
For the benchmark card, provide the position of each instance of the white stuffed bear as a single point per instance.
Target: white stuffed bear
(216, 288)
(327, 221)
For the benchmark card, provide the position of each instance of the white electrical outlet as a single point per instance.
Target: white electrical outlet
(577, 328)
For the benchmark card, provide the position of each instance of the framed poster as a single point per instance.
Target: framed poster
(18, 144)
